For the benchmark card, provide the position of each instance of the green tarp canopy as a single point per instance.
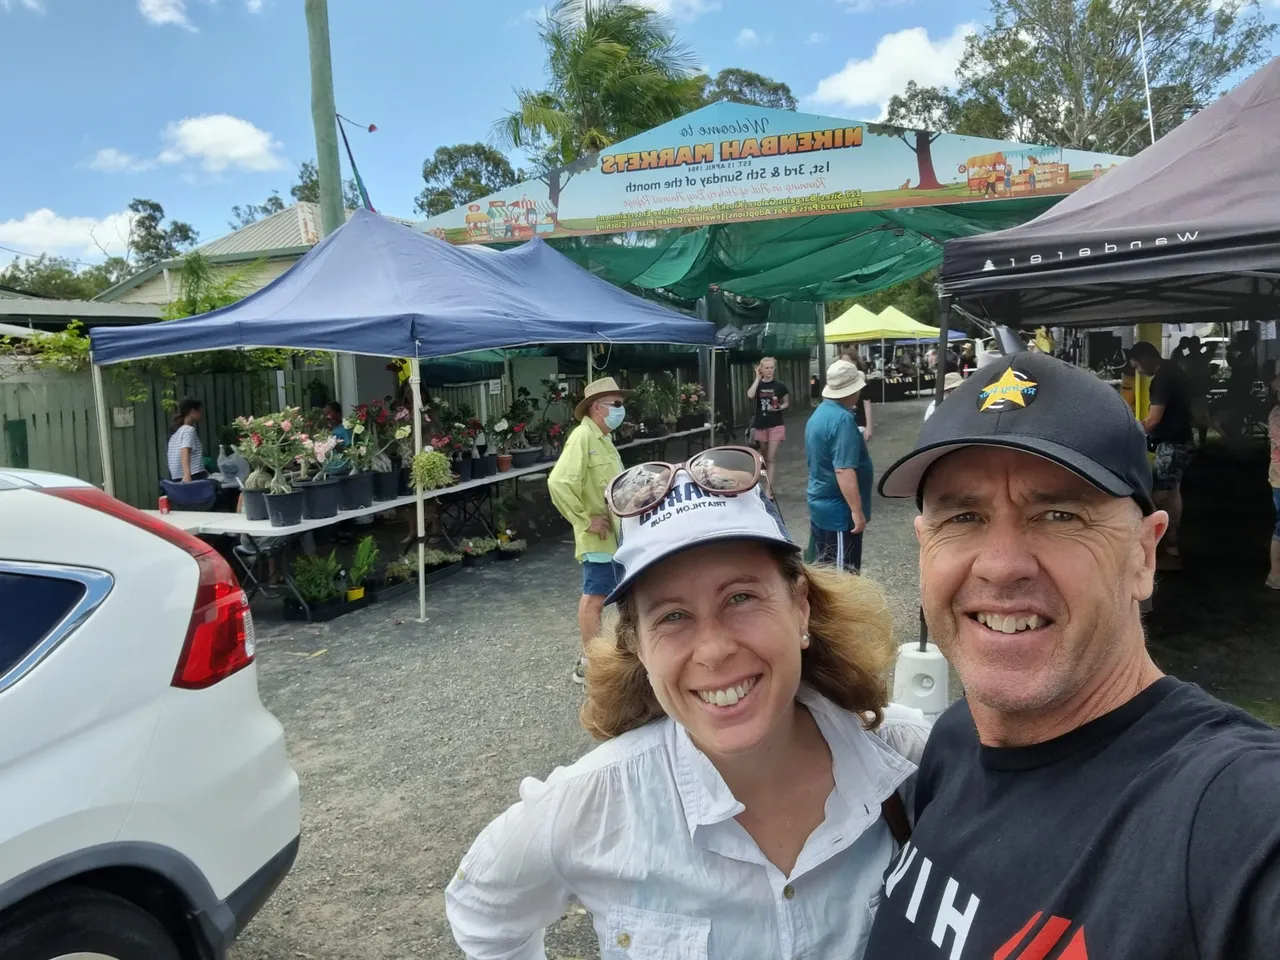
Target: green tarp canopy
(826, 257)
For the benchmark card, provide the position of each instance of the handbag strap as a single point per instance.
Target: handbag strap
(895, 816)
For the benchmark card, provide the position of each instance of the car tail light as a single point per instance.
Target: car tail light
(220, 637)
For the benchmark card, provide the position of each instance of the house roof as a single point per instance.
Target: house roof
(12, 293)
(55, 314)
(288, 234)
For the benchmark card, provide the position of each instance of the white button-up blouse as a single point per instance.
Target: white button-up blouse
(641, 832)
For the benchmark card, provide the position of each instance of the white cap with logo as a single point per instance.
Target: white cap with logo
(692, 517)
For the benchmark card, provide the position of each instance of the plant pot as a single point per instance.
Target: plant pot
(355, 593)
(319, 498)
(285, 509)
(504, 462)
(357, 491)
(690, 421)
(403, 487)
(386, 486)
(652, 429)
(505, 555)
(477, 559)
(525, 458)
(255, 504)
(490, 464)
(328, 610)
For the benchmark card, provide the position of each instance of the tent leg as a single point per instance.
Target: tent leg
(944, 334)
(590, 363)
(820, 331)
(884, 373)
(712, 385)
(104, 431)
(415, 382)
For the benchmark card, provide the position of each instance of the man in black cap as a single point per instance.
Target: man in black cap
(1077, 803)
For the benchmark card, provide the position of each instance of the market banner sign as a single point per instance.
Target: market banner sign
(731, 162)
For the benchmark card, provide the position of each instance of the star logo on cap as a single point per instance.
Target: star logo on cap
(1011, 390)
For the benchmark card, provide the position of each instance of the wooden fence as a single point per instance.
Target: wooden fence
(49, 422)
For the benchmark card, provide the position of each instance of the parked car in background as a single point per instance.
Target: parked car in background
(147, 806)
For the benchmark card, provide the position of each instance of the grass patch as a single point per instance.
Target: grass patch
(1268, 711)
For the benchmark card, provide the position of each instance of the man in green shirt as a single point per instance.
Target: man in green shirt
(577, 485)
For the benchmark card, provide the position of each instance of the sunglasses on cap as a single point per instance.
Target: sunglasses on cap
(723, 471)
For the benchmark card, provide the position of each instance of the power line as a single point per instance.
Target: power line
(35, 256)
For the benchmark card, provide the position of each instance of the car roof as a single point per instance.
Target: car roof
(13, 478)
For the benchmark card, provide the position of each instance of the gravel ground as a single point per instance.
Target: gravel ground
(410, 737)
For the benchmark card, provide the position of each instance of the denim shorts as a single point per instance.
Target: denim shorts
(1275, 499)
(599, 579)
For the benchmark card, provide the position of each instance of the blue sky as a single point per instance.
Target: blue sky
(202, 104)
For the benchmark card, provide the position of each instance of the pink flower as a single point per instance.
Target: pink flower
(269, 423)
(286, 426)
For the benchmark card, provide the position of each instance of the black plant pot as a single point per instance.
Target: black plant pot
(490, 464)
(285, 509)
(319, 498)
(690, 421)
(506, 555)
(255, 504)
(477, 559)
(525, 458)
(463, 468)
(386, 486)
(357, 491)
(403, 487)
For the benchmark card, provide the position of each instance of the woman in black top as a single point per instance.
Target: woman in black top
(771, 398)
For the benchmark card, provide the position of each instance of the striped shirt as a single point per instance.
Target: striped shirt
(185, 437)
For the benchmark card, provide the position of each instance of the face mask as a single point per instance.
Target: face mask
(613, 419)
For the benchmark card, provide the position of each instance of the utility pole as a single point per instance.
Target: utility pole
(324, 118)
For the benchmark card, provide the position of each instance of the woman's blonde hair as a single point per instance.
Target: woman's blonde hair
(850, 650)
(764, 360)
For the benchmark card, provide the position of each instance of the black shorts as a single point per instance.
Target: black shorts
(837, 548)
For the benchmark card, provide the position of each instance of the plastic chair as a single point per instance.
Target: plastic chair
(196, 495)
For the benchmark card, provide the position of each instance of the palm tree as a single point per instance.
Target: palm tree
(615, 70)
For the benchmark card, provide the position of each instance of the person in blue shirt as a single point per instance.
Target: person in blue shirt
(333, 417)
(840, 471)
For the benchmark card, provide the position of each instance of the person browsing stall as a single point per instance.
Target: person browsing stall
(185, 453)
(1076, 803)
(740, 804)
(1169, 424)
(577, 484)
(840, 471)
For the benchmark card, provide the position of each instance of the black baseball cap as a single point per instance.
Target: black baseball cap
(1040, 405)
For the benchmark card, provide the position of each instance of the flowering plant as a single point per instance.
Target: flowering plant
(316, 449)
(500, 434)
(272, 443)
(693, 399)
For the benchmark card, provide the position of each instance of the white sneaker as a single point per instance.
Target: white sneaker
(579, 674)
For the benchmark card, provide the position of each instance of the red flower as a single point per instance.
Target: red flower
(517, 428)
(257, 439)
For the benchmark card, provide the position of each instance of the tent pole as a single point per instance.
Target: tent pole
(104, 431)
(415, 383)
(944, 335)
(590, 364)
(884, 372)
(820, 324)
(712, 378)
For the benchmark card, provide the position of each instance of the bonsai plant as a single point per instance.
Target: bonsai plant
(362, 564)
(278, 443)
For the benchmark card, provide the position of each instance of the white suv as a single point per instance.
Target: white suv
(147, 807)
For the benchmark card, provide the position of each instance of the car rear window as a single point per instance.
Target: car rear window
(33, 606)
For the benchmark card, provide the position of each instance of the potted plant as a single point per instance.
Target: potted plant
(665, 402)
(500, 433)
(320, 492)
(693, 407)
(258, 482)
(462, 443)
(552, 441)
(316, 580)
(511, 549)
(440, 564)
(280, 448)
(357, 486)
(362, 564)
(477, 551)
(430, 470)
(384, 433)
(523, 454)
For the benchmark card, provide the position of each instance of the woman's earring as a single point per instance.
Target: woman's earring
(804, 642)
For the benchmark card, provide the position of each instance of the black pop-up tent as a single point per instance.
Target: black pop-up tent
(1189, 229)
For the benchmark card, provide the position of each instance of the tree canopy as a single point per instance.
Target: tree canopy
(61, 279)
(307, 189)
(734, 85)
(459, 174)
(241, 217)
(614, 69)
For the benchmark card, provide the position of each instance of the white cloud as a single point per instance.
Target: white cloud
(253, 6)
(219, 141)
(898, 57)
(866, 6)
(816, 37)
(43, 231)
(166, 12)
(111, 160)
(686, 9)
(747, 37)
(35, 6)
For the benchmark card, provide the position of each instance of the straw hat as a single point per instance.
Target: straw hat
(951, 381)
(605, 386)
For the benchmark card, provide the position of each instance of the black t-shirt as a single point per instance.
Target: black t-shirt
(1169, 388)
(1152, 833)
(769, 404)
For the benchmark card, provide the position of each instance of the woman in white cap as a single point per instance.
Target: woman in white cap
(746, 801)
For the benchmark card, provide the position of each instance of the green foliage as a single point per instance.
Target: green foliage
(477, 546)
(316, 578)
(614, 69)
(430, 471)
(438, 558)
(66, 350)
(459, 174)
(307, 189)
(734, 85)
(513, 546)
(250, 212)
(655, 399)
(1086, 52)
(917, 298)
(362, 564)
(60, 278)
(149, 240)
(397, 571)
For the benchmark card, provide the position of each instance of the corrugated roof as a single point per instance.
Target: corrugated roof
(295, 226)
